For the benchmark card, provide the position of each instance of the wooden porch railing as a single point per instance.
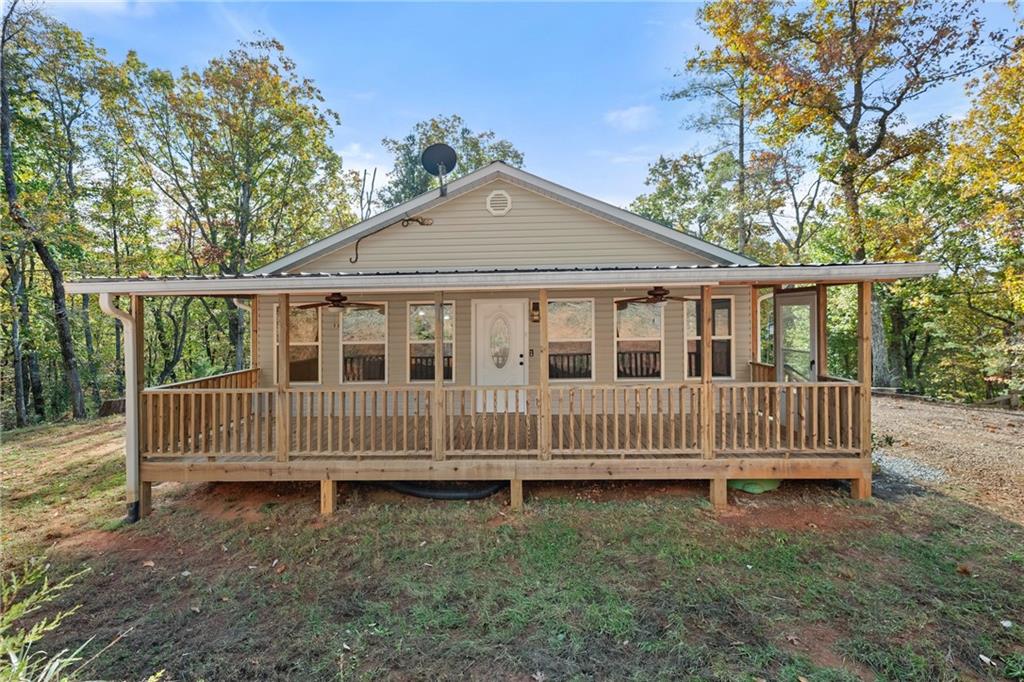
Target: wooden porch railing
(625, 420)
(762, 372)
(597, 421)
(243, 378)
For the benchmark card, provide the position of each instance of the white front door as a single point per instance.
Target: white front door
(499, 355)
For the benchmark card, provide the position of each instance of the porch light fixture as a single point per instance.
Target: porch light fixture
(535, 311)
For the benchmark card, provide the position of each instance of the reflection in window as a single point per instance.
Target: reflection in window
(303, 345)
(571, 339)
(638, 332)
(421, 341)
(721, 337)
(364, 335)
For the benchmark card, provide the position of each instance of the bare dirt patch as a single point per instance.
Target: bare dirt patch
(980, 451)
(819, 644)
(245, 501)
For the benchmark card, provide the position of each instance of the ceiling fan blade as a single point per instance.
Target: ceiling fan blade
(622, 303)
(307, 306)
(676, 298)
(361, 306)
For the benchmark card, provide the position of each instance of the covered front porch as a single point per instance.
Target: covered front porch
(784, 420)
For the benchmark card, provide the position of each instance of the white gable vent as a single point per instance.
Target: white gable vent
(499, 202)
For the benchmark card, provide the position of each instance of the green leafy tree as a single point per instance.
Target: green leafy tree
(844, 73)
(241, 152)
(408, 179)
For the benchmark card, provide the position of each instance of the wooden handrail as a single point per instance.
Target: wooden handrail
(226, 380)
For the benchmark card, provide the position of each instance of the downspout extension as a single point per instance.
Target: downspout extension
(131, 405)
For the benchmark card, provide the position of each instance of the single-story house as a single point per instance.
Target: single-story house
(510, 329)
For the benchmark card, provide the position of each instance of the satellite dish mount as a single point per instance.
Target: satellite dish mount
(439, 160)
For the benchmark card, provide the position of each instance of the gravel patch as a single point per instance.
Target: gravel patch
(903, 467)
(977, 453)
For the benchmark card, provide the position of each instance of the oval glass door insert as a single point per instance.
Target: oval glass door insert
(500, 341)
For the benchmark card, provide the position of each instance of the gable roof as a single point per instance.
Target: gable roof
(498, 170)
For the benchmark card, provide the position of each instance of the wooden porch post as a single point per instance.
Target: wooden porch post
(283, 378)
(860, 488)
(543, 395)
(254, 330)
(717, 491)
(437, 411)
(145, 492)
(755, 325)
(821, 344)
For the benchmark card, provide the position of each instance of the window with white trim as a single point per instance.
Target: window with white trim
(571, 339)
(639, 332)
(364, 343)
(303, 344)
(721, 337)
(421, 339)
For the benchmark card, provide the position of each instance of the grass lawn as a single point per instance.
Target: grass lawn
(593, 581)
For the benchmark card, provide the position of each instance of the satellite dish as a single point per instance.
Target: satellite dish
(439, 160)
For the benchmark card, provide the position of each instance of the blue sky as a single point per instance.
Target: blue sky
(576, 87)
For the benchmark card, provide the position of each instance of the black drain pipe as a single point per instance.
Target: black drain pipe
(435, 493)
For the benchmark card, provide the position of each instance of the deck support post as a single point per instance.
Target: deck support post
(437, 409)
(328, 497)
(719, 493)
(516, 494)
(707, 407)
(755, 325)
(860, 489)
(821, 328)
(283, 377)
(543, 394)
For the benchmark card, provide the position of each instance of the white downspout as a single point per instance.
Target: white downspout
(131, 404)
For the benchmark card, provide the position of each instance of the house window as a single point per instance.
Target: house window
(571, 339)
(303, 345)
(421, 341)
(721, 337)
(364, 342)
(639, 330)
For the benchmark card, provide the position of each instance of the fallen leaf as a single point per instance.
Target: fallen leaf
(280, 568)
(1006, 624)
(986, 660)
(792, 639)
(964, 569)
(148, 564)
(195, 609)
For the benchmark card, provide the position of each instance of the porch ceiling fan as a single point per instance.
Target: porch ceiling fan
(337, 300)
(655, 295)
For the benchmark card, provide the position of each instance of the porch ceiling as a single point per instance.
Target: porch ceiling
(505, 279)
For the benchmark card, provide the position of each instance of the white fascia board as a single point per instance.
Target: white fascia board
(508, 280)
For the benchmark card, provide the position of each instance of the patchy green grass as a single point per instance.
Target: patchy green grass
(247, 582)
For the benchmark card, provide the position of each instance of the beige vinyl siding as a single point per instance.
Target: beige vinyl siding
(604, 333)
(536, 231)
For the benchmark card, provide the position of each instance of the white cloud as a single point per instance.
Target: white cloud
(631, 119)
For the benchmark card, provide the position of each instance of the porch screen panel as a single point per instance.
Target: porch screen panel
(639, 333)
(571, 339)
(364, 339)
(303, 344)
(421, 341)
(721, 337)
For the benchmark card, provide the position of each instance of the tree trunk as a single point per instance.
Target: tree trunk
(16, 292)
(236, 332)
(60, 310)
(64, 338)
(90, 355)
(35, 379)
(741, 236)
